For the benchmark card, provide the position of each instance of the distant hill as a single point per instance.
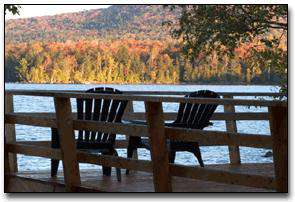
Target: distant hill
(139, 22)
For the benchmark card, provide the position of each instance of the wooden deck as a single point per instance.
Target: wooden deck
(154, 175)
(94, 181)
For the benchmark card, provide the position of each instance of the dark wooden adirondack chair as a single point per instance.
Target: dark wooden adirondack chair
(106, 110)
(193, 116)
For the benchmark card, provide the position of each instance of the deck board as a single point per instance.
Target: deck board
(93, 180)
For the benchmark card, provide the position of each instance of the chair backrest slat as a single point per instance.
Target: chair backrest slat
(180, 112)
(80, 114)
(96, 112)
(206, 116)
(200, 117)
(106, 110)
(118, 116)
(193, 114)
(196, 116)
(88, 114)
(187, 112)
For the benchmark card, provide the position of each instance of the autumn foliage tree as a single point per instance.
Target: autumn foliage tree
(225, 28)
(125, 61)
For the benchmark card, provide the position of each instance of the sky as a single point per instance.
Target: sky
(42, 10)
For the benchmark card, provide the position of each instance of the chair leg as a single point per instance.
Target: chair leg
(54, 167)
(118, 170)
(54, 144)
(133, 144)
(197, 153)
(107, 170)
(130, 150)
(172, 156)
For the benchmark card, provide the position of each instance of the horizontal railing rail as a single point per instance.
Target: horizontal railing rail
(203, 137)
(272, 94)
(168, 116)
(217, 116)
(119, 144)
(146, 98)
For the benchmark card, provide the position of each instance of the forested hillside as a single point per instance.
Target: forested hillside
(115, 22)
(119, 44)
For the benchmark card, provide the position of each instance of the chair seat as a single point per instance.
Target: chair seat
(93, 145)
(183, 146)
(172, 124)
(186, 125)
(173, 145)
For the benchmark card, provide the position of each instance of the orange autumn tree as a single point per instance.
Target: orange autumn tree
(204, 29)
(125, 61)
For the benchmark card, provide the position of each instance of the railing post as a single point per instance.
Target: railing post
(159, 153)
(10, 132)
(279, 131)
(231, 126)
(67, 143)
(129, 110)
(7, 171)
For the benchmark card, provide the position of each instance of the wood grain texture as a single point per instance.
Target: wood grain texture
(252, 175)
(10, 136)
(215, 116)
(28, 184)
(31, 119)
(207, 138)
(12, 117)
(279, 132)
(82, 157)
(46, 143)
(7, 172)
(172, 92)
(67, 143)
(92, 179)
(60, 94)
(232, 177)
(159, 153)
(231, 126)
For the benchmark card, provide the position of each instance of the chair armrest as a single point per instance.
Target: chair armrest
(141, 122)
(135, 122)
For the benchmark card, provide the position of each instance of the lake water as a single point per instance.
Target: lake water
(210, 155)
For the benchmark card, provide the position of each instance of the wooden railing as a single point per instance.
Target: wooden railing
(64, 120)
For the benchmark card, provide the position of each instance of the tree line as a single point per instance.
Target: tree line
(130, 61)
